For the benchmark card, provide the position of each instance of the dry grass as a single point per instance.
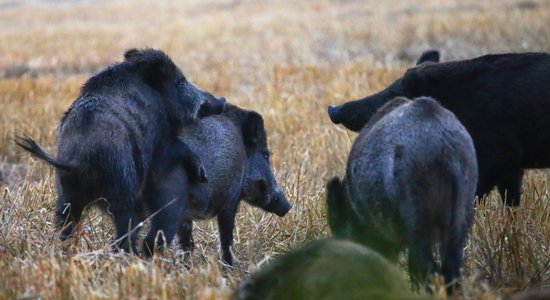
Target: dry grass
(286, 59)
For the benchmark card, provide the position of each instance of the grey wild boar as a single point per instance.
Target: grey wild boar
(410, 183)
(121, 127)
(233, 148)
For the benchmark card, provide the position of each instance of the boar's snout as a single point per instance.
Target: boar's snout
(279, 205)
(333, 111)
(212, 106)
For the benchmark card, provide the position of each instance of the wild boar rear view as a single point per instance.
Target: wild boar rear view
(118, 130)
(410, 183)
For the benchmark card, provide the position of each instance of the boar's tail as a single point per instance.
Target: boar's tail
(338, 211)
(30, 145)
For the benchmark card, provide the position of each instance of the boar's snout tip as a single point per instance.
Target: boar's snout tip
(285, 207)
(284, 210)
(279, 205)
(332, 113)
(288, 207)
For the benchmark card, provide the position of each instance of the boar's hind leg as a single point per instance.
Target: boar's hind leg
(68, 217)
(167, 199)
(70, 204)
(126, 232)
(226, 224)
(509, 187)
(451, 258)
(185, 235)
(421, 260)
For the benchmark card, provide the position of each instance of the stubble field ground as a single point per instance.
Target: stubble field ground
(285, 59)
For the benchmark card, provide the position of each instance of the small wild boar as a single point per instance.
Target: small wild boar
(233, 148)
(503, 100)
(410, 183)
(327, 269)
(120, 128)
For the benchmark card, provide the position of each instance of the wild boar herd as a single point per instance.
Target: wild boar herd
(142, 142)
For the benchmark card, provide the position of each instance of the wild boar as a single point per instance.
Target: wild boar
(503, 100)
(115, 132)
(410, 183)
(233, 147)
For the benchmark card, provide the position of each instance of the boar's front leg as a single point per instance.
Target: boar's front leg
(509, 187)
(185, 235)
(167, 200)
(126, 234)
(191, 162)
(226, 224)
(122, 207)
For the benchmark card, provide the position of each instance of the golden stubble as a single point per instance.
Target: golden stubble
(287, 60)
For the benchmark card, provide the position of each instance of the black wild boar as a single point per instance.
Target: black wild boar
(327, 269)
(233, 148)
(503, 101)
(120, 128)
(410, 183)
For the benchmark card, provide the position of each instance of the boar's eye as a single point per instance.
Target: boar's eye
(265, 154)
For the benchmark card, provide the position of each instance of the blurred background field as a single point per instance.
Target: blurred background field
(285, 59)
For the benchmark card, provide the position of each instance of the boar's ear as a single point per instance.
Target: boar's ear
(131, 53)
(337, 208)
(253, 129)
(155, 67)
(428, 56)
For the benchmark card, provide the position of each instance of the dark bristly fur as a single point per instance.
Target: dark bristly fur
(410, 183)
(119, 129)
(503, 101)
